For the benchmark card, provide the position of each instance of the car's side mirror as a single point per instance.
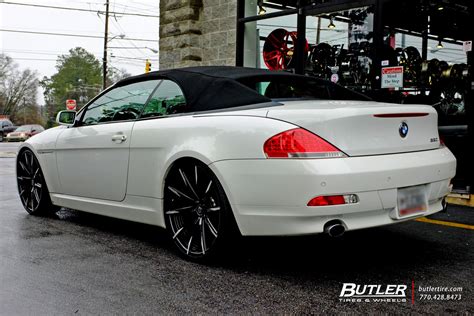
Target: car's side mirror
(66, 118)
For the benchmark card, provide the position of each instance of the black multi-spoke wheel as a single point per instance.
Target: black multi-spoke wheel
(198, 215)
(32, 188)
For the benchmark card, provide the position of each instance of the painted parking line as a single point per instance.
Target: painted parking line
(444, 223)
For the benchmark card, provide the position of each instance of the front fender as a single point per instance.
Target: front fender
(43, 145)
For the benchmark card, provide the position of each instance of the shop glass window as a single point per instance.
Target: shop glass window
(302, 88)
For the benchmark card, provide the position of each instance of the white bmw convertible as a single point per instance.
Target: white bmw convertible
(210, 151)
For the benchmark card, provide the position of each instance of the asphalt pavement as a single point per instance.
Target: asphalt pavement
(78, 263)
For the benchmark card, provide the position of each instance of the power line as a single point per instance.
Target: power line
(76, 35)
(78, 9)
(126, 57)
(38, 59)
(37, 52)
(126, 7)
(123, 32)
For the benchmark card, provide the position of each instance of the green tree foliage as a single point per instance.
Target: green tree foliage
(79, 77)
(18, 90)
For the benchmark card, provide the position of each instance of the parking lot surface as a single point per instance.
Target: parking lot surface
(88, 264)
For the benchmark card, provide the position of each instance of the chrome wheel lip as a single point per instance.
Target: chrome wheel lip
(29, 181)
(194, 226)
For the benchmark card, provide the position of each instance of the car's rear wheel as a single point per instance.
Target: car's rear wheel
(198, 215)
(32, 188)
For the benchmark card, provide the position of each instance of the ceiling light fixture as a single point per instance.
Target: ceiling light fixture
(261, 10)
(331, 24)
(440, 44)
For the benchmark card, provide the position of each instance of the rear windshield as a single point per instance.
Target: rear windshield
(299, 87)
(24, 128)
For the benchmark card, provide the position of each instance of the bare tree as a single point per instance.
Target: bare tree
(17, 88)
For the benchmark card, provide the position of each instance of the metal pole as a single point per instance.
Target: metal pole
(424, 35)
(378, 44)
(239, 47)
(106, 35)
(469, 105)
(300, 53)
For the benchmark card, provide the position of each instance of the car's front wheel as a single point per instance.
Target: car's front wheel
(32, 188)
(198, 215)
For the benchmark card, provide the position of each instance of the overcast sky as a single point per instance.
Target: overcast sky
(39, 52)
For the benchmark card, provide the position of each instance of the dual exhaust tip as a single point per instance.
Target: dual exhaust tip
(335, 228)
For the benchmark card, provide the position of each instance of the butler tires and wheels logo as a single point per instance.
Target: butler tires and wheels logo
(377, 293)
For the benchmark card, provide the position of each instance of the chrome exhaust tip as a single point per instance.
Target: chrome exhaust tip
(334, 229)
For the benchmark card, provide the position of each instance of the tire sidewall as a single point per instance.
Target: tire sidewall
(227, 226)
(45, 206)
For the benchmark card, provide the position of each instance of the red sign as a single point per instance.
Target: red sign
(71, 104)
(392, 70)
(392, 77)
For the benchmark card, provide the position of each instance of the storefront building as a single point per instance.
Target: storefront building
(402, 51)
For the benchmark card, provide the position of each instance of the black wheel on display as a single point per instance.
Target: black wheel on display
(198, 216)
(34, 194)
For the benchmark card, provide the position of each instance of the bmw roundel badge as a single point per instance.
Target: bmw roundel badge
(403, 129)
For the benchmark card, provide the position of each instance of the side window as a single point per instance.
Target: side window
(120, 104)
(168, 99)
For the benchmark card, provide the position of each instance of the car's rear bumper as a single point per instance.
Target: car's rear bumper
(270, 196)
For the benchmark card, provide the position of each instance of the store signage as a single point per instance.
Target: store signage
(71, 104)
(392, 77)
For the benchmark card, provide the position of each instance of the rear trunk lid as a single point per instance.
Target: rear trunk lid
(361, 128)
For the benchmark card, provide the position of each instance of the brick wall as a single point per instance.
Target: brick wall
(197, 32)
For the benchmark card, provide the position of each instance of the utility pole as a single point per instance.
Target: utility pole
(106, 39)
(24, 110)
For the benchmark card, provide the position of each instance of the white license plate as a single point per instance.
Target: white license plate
(412, 201)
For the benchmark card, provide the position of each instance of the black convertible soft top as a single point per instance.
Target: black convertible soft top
(220, 87)
(213, 87)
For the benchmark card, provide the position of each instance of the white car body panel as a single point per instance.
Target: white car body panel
(91, 164)
(44, 146)
(134, 208)
(208, 139)
(351, 126)
(269, 197)
(85, 170)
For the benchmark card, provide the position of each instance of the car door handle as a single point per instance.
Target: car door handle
(119, 138)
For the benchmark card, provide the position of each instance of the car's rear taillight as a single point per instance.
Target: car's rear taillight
(299, 143)
(441, 142)
(327, 200)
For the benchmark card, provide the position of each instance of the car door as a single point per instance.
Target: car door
(93, 156)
